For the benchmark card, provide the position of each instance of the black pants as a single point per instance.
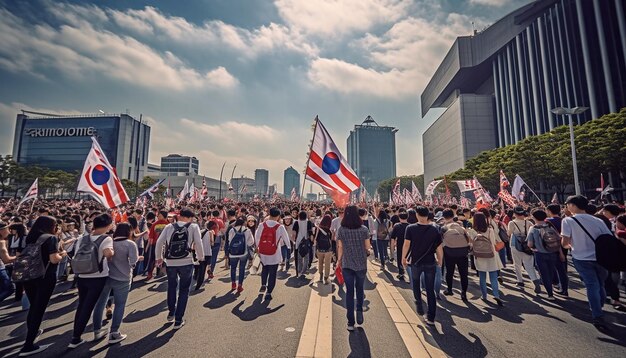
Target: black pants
(399, 244)
(268, 277)
(462, 265)
(38, 292)
(201, 271)
(612, 290)
(89, 290)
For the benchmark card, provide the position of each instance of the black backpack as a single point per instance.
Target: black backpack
(28, 265)
(178, 246)
(323, 241)
(237, 247)
(610, 251)
(521, 240)
(303, 248)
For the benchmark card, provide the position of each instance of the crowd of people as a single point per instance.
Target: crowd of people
(103, 251)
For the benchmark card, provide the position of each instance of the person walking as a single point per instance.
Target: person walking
(383, 226)
(119, 280)
(304, 236)
(422, 249)
(268, 238)
(522, 255)
(579, 231)
(90, 285)
(6, 286)
(240, 240)
(323, 245)
(40, 290)
(353, 246)
(174, 247)
(207, 242)
(455, 250)
(287, 249)
(397, 233)
(490, 264)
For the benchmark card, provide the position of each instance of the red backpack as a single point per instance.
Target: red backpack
(268, 244)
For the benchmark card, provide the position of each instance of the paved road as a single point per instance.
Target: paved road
(222, 324)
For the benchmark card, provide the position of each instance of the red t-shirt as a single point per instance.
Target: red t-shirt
(219, 223)
(155, 230)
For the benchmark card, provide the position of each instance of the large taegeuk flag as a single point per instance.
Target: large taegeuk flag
(327, 167)
(100, 180)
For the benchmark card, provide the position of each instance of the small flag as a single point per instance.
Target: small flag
(294, 195)
(555, 199)
(32, 192)
(100, 180)
(417, 196)
(504, 182)
(205, 191)
(152, 189)
(518, 183)
(467, 185)
(183, 193)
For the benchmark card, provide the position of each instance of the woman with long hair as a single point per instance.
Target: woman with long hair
(487, 266)
(40, 289)
(119, 280)
(286, 250)
(324, 248)
(353, 246)
(239, 228)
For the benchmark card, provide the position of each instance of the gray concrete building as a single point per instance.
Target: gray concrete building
(262, 179)
(499, 85)
(291, 180)
(176, 164)
(372, 153)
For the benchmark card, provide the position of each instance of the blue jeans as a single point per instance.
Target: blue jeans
(354, 281)
(438, 279)
(286, 252)
(139, 267)
(548, 264)
(493, 279)
(178, 281)
(6, 286)
(242, 269)
(375, 247)
(502, 254)
(215, 250)
(62, 268)
(593, 275)
(120, 295)
(382, 250)
(429, 273)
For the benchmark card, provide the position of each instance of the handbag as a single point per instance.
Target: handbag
(339, 275)
(499, 245)
(256, 264)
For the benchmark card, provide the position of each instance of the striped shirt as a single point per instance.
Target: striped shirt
(353, 243)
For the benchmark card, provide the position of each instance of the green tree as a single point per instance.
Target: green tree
(7, 171)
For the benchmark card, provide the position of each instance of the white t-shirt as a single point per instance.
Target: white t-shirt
(107, 243)
(583, 247)
(206, 243)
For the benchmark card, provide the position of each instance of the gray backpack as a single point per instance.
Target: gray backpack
(86, 259)
(483, 248)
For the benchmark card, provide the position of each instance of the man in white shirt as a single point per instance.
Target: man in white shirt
(91, 285)
(584, 252)
(172, 246)
(270, 260)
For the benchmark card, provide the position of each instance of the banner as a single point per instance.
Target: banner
(467, 185)
(430, 189)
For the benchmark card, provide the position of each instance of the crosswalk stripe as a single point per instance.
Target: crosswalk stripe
(316, 338)
(417, 340)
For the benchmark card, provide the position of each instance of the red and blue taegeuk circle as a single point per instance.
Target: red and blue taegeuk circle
(100, 175)
(331, 163)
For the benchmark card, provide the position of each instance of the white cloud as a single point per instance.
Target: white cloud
(80, 51)
(234, 132)
(335, 18)
(497, 3)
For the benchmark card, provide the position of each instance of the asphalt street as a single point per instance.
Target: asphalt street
(220, 323)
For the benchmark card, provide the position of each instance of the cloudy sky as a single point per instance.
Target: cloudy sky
(235, 80)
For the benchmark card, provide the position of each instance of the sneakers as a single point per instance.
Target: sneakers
(75, 342)
(116, 337)
(149, 277)
(170, 317)
(268, 296)
(537, 284)
(33, 350)
(429, 322)
(239, 289)
(263, 289)
(178, 325)
(39, 333)
(211, 276)
(551, 298)
(326, 281)
(463, 296)
(499, 301)
(359, 317)
(351, 328)
(233, 286)
(400, 277)
(448, 293)
(99, 334)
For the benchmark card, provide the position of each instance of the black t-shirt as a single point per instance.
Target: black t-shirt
(395, 219)
(398, 231)
(50, 246)
(424, 241)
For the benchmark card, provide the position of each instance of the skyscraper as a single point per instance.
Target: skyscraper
(372, 153)
(261, 179)
(291, 180)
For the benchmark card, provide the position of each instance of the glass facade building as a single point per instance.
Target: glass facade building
(261, 180)
(547, 54)
(176, 164)
(63, 142)
(291, 180)
(372, 153)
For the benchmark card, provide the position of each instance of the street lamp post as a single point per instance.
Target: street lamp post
(570, 112)
(221, 173)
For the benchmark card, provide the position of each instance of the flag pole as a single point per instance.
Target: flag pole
(308, 160)
(536, 196)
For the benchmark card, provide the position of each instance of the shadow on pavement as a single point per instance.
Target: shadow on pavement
(359, 344)
(258, 308)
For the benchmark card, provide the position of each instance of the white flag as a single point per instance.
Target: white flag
(183, 193)
(32, 192)
(417, 196)
(430, 189)
(467, 185)
(517, 187)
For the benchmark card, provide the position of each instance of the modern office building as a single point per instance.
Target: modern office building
(243, 188)
(176, 164)
(153, 170)
(261, 179)
(62, 142)
(372, 153)
(499, 85)
(291, 180)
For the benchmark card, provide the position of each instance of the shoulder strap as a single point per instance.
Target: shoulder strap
(585, 230)
(517, 226)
